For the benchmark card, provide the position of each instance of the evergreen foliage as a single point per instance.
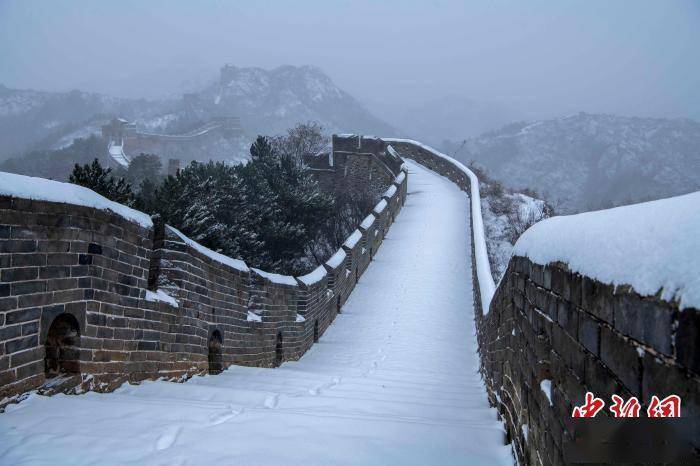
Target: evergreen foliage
(100, 180)
(269, 212)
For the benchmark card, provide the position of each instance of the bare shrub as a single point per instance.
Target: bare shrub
(523, 217)
(502, 205)
(305, 139)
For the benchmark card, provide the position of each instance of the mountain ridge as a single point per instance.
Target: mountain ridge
(592, 160)
(267, 102)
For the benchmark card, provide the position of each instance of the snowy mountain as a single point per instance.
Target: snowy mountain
(32, 119)
(590, 161)
(270, 101)
(267, 102)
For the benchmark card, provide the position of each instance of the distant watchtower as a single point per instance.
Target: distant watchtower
(117, 130)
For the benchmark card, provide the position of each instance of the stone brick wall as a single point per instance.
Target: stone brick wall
(356, 163)
(548, 324)
(576, 334)
(116, 281)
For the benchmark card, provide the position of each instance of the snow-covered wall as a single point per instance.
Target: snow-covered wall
(146, 301)
(552, 327)
(458, 173)
(605, 302)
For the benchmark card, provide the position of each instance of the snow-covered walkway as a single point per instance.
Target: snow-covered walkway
(393, 381)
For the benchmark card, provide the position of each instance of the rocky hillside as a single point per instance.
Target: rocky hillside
(270, 101)
(32, 119)
(585, 162)
(266, 101)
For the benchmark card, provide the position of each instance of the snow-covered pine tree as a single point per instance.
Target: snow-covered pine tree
(100, 180)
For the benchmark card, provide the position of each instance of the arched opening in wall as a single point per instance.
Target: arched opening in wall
(279, 351)
(62, 347)
(316, 331)
(338, 305)
(216, 361)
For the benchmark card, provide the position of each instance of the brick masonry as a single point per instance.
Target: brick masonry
(356, 162)
(103, 270)
(548, 323)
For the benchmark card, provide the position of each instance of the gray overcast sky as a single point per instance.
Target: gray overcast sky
(636, 57)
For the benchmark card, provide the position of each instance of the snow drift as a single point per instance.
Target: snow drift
(653, 246)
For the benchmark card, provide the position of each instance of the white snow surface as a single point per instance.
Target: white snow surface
(253, 317)
(651, 246)
(392, 152)
(230, 261)
(381, 205)
(394, 379)
(487, 287)
(400, 177)
(336, 259)
(368, 221)
(161, 295)
(277, 278)
(315, 276)
(353, 239)
(390, 192)
(546, 387)
(41, 189)
(116, 151)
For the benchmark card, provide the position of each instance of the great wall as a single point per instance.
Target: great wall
(91, 295)
(124, 140)
(545, 323)
(104, 299)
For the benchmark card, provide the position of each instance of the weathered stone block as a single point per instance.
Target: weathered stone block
(644, 320)
(17, 245)
(7, 304)
(20, 344)
(22, 288)
(22, 315)
(589, 333)
(19, 274)
(567, 316)
(688, 339)
(622, 359)
(597, 299)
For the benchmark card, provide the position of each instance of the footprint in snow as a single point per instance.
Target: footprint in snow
(220, 418)
(271, 401)
(167, 438)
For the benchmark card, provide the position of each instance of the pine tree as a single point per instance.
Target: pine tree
(100, 180)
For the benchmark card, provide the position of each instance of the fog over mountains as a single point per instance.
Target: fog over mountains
(591, 161)
(267, 102)
(579, 162)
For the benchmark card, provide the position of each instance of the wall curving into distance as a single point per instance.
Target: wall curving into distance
(624, 321)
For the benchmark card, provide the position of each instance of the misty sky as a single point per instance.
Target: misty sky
(633, 57)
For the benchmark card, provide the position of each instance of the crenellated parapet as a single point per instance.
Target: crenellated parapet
(97, 294)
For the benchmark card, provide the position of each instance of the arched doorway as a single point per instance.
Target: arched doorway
(279, 351)
(216, 363)
(62, 347)
(315, 331)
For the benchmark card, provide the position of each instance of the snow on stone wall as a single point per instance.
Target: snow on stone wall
(145, 299)
(567, 319)
(466, 180)
(653, 246)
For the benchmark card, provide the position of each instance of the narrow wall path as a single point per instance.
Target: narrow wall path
(393, 381)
